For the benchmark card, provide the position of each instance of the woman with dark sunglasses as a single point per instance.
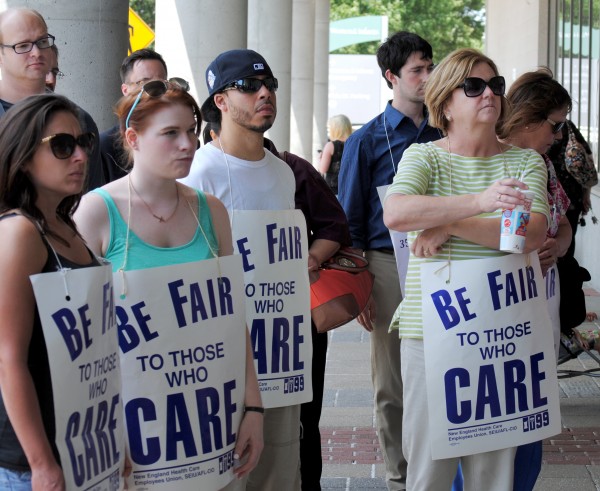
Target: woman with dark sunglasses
(539, 111)
(539, 108)
(148, 219)
(43, 164)
(448, 195)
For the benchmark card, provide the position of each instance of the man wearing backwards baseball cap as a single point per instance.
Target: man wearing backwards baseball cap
(244, 176)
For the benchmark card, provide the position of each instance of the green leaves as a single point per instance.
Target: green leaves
(446, 24)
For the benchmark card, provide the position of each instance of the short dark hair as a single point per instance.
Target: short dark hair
(394, 52)
(141, 54)
(206, 136)
(210, 112)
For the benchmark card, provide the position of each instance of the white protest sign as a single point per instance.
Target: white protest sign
(81, 338)
(553, 297)
(399, 243)
(182, 338)
(274, 250)
(489, 360)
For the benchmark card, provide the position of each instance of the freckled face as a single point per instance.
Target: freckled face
(168, 143)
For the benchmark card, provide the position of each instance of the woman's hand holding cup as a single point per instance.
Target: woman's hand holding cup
(503, 194)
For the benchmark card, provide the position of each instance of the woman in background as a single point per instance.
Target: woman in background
(539, 111)
(340, 129)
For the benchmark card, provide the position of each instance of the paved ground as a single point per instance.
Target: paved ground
(351, 456)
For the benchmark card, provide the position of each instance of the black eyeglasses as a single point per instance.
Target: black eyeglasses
(475, 86)
(41, 43)
(556, 127)
(57, 73)
(63, 144)
(157, 88)
(251, 85)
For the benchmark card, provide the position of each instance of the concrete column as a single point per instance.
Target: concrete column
(303, 52)
(321, 78)
(518, 27)
(191, 33)
(270, 33)
(92, 40)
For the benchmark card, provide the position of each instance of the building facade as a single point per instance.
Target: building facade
(563, 35)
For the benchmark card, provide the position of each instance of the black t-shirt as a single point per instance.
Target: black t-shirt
(331, 176)
(12, 455)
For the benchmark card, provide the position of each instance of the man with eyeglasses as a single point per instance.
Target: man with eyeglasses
(141, 66)
(54, 73)
(25, 60)
(369, 161)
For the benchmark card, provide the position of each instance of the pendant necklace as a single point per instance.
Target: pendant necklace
(160, 218)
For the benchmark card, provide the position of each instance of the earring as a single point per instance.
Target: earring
(448, 117)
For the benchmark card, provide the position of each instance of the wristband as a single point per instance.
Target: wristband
(254, 409)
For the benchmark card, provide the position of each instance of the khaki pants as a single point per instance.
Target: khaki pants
(278, 468)
(385, 367)
(489, 471)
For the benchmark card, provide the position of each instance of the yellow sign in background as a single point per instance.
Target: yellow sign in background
(140, 34)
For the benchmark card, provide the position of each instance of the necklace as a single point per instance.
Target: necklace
(448, 263)
(160, 218)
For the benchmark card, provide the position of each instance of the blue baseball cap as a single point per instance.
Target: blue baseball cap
(231, 66)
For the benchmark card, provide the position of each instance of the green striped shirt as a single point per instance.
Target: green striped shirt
(424, 170)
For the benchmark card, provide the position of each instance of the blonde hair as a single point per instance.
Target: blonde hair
(340, 127)
(446, 77)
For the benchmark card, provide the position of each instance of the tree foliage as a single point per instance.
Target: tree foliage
(145, 9)
(446, 24)
(584, 12)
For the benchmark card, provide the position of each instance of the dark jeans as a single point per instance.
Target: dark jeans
(528, 464)
(311, 462)
(573, 217)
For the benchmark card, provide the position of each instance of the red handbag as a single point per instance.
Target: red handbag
(340, 289)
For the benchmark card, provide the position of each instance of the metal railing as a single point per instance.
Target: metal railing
(574, 35)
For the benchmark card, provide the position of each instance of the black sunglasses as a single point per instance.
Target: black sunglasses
(63, 144)
(475, 86)
(556, 127)
(250, 85)
(157, 88)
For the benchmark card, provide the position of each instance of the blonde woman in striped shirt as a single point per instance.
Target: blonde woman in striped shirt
(448, 194)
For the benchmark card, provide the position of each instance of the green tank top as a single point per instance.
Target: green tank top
(143, 255)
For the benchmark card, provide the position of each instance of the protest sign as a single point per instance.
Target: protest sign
(489, 359)
(274, 250)
(399, 243)
(553, 297)
(182, 339)
(76, 309)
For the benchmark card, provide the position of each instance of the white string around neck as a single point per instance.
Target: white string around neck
(121, 270)
(387, 137)
(228, 182)
(291, 204)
